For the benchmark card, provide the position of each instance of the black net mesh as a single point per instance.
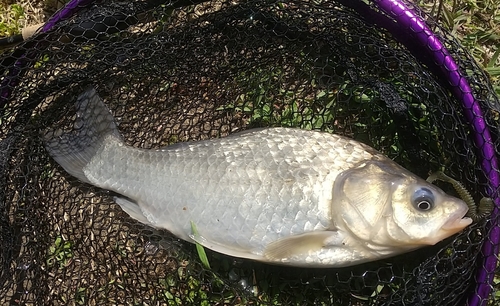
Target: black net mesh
(179, 71)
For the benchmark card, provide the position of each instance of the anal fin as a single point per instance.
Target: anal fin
(132, 209)
(230, 250)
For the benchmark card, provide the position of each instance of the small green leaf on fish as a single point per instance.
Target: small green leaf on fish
(199, 248)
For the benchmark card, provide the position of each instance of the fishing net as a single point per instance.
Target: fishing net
(174, 71)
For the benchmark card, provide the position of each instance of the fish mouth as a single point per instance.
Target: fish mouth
(456, 225)
(456, 222)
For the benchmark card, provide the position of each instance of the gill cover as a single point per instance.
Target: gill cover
(364, 196)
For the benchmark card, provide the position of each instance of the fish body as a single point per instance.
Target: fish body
(277, 195)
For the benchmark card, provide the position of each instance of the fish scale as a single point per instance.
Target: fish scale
(278, 195)
(253, 186)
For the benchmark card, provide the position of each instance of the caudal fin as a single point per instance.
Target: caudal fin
(93, 126)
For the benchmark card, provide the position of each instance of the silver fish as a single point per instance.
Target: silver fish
(277, 195)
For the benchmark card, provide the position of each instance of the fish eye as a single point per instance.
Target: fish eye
(423, 199)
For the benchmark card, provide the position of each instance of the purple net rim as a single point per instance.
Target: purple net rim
(12, 78)
(461, 89)
(67, 11)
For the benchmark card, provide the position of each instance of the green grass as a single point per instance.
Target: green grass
(11, 19)
(60, 253)
(476, 24)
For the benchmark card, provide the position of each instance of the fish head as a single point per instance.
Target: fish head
(425, 213)
(387, 208)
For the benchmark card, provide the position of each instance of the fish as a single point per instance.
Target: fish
(278, 195)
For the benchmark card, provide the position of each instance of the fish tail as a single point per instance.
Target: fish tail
(94, 127)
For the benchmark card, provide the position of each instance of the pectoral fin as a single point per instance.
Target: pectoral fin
(303, 244)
